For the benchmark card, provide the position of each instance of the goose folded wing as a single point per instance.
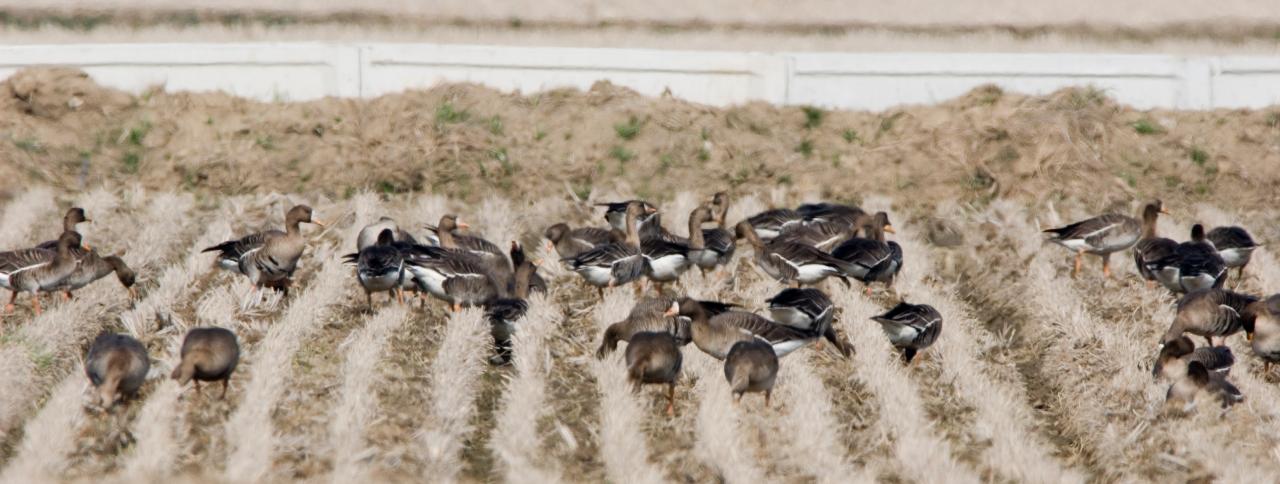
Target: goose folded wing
(1084, 229)
(20, 259)
(235, 249)
(1230, 237)
(1215, 358)
(604, 255)
(592, 236)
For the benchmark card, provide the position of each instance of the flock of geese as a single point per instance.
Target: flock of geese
(1196, 272)
(800, 248)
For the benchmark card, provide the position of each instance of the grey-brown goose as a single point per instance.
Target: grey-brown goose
(478, 246)
(117, 365)
(1234, 245)
(459, 278)
(614, 264)
(74, 216)
(380, 267)
(708, 248)
(654, 358)
(1099, 236)
(847, 215)
(92, 267)
(568, 243)
(652, 314)
(911, 327)
(822, 235)
(268, 258)
(791, 263)
(808, 309)
(716, 335)
(503, 313)
(771, 223)
(1152, 252)
(870, 258)
(536, 283)
(39, 274)
(1211, 313)
(751, 367)
(1264, 336)
(15, 260)
(1183, 392)
(1171, 363)
(209, 354)
(369, 234)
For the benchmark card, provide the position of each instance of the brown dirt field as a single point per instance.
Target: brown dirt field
(60, 128)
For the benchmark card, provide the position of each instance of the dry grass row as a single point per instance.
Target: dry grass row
(455, 382)
(622, 445)
(516, 441)
(51, 435)
(358, 404)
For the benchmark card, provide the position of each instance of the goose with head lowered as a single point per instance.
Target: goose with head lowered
(911, 327)
(1195, 265)
(791, 263)
(1212, 313)
(1234, 245)
(380, 267)
(808, 309)
(503, 313)
(870, 259)
(716, 335)
(615, 263)
(651, 314)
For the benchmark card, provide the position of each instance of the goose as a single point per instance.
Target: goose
(14, 260)
(568, 243)
(33, 271)
(268, 258)
(716, 335)
(92, 267)
(74, 216)
(708, 248)
(847, 215)
(380, 267)
(652, 314)
(617, 263)
(478, 246)
(1195, 265)
(1264, 337)
(821, 235)
(1152, 253)
(791, 263)
(808, 309)
(117, 366)
(536, 283)
(1174, 356)
(1234, 245)
(208, 354)
(503, 313)
(870, 259)
(1099, 236)
(911, 327)
(1183, 392)
(369, 234)
(771, 223)
(751, 367)
(654, 358)
(667, 260)
(720, 209)
(459, 278)
(1211, 313)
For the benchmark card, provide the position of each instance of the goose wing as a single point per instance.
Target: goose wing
(1215, 358)
(236, 249)
(719, 240)
(592, 236)
(1231, 238)
(1093, 231)
(17, 260)
(917, 325)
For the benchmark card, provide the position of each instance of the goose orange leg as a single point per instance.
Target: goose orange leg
(35, 302)
(768, 394)
(1079, 263)
(1106, 266)
(671, 399)
(8, 308)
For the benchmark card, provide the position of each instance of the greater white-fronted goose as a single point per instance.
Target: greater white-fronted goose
(1211, 313)
(1171, 363)
(771, 223)
(720, 209)
(614, 264)
(821, 235)
(369, 234)
(74, 216)
(268, 258)
(665, 261)
(654, 358)
(568, 243)
(655, 314)
(1099, 236)
(716, 335)
(808, 309)
(504, 312)
(911, 327)
(708, 248)
(32, 271)
(478, 246)
(1183, 392)
(1152, 252)
(751, 367)
(117, 365)
(1196, 265)
(791, 263)
(1234, 245)
(15, 260)
(536, 283)
(870, 259)
(1264, 336)
(458, 278)
(847, 215)
(380, 267)
(209, 354)
(92, 267)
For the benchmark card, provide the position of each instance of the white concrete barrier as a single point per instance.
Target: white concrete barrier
(302, 71)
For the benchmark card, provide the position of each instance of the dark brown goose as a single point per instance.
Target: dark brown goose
(654, 358)
(1211, 313)
(1171, 363)
(751, 367)
(536, 283)
(74, 216)
(911, 327)
(1234, 245)
(1184, 391)
(117, 365)
(458, 278)
(791, 263)
(1152, 253)
(822, 235)
(1195, 265)
(1099, 236)
(33, 272)
(268, 258)
(846, 215)
(503, 313)
(209, 355)
(92, 267)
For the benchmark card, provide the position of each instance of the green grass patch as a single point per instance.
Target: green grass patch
(628, 130)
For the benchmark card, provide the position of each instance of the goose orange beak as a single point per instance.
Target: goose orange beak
(462, 225)
(550, 247)
(86, 247)
(889, 229)
(1165, 211)
(673, 310)
(1249, 337)
(319, 222)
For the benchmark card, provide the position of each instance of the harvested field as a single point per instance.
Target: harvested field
(1037, 377)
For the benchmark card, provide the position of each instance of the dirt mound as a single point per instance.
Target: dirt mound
(467, 141)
